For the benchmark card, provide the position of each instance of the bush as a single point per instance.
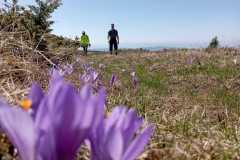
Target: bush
(34, 21)
(214, 43)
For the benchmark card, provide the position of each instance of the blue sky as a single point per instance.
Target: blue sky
(150, 21)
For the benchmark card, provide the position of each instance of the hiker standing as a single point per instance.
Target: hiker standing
(85, 42)
(113, 39)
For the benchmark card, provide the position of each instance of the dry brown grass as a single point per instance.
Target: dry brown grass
(195, 106)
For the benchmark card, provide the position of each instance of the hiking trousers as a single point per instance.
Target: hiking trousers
(113, 43)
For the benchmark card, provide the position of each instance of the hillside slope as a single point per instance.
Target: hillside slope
(192, 97)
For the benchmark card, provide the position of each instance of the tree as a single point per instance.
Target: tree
(38, 21)
(214, 43)
(34, 21)
(9, 15)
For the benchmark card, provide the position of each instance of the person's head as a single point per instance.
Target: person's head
(112, 26)
(83, 33)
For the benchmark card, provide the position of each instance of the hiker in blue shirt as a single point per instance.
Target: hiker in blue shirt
(113, 40)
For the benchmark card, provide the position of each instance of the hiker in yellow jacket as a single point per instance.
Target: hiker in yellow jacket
(85, 42)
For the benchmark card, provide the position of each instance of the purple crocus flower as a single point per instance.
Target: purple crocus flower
(95, 75)
(90, 75)
(68, 69)
(62, 121)
(134, 79)
(113, 80)
(119, 136)
(86, 67)
(190, 60)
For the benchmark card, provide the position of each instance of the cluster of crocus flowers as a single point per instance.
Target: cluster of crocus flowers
(89, 75)
(53, 125)
(68, 69)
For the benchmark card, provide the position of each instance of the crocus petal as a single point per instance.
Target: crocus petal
(86, 108)
(36, 95)
(131, 125)
(69, 119)
(138, 144)
(19, 127)
(113, 119)
(55, 77)
(53, 92)
(95, 75)
(113, 80)
(86, 92)
(125, 120)
(68, 69)
(66, 123)
(115, 144)
(43, 117)
(99, 108)
(87, 114)
(92, 107)
(46, 145)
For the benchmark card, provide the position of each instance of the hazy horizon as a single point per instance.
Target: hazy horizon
(160, 45)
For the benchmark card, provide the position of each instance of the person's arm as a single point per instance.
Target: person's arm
(108, 37)
(117, 37)
(88, 41)
(80, 40)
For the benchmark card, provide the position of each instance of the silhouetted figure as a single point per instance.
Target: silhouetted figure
(85, 42)
(113, 39)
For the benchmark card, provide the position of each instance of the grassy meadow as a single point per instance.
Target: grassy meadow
(192, 96)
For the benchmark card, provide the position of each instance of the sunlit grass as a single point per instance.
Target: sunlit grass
(195, 106)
